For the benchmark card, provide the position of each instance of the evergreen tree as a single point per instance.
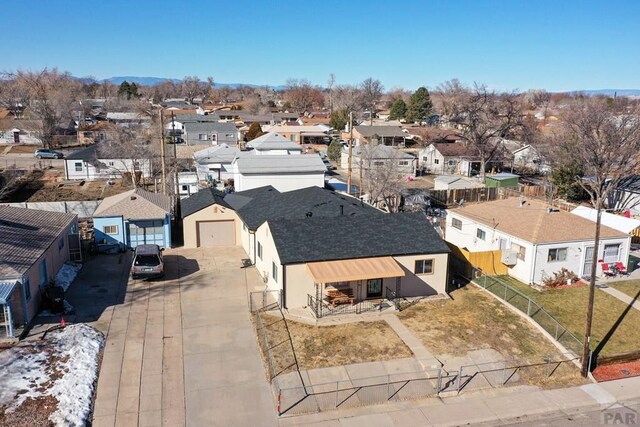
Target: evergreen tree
(124, 89)
(254, 131)
(339, 119)
(334, 150)
(398, 109)
(420, 106)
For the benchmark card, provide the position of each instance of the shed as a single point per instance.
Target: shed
(501, 180)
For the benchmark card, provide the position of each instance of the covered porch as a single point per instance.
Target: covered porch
(7, 290)
(355, 285)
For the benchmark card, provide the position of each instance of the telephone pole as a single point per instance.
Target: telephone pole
(349, 170)
(163, 159)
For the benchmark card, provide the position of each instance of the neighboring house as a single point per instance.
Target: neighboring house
(174, 124)
(187, 184)
(460, 158)
(20, 136)
(529, 159)
(285, 235)
(455, 182)
(626, 196)
(317, 134)
(94, 133)
(502, 180)
(372, 156)
(34, 245)
(214, 163)
(385, 135)
(617, 222)
(284, 172)
(212, 133)
(128, 119)
(273, 143)
(133, 218)
(534, 240)
(94, 162)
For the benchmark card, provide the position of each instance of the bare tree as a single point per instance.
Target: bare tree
(486, 118)
(449, 95)
(381, 175)
(347, 97)
(50, 97)
(303, 96)
(330, 83)
(371, 93)
(542, 100)
(193, 88)
(604, 140)
(131, 153)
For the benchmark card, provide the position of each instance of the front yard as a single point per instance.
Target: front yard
(629, 287)
(615, 328)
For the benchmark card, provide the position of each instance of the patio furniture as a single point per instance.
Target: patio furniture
(340, 296)
(621, 268)
(607, 271)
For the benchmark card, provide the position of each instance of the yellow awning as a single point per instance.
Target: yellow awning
(354, 269)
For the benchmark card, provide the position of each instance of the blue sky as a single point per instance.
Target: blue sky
(506, 44)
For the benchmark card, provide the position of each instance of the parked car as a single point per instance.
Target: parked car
(45, 153)
(147, 262)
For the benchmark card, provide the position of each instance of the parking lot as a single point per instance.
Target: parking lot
(179, 351)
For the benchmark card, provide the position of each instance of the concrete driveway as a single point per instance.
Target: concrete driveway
(182, 351)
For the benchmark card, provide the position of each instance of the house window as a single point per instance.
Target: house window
(202, 136)
(110, 229)
(60, 243)
(185, 187)
(274, 271)
(403, 162)
(451, 162)
(110, 163)
(229, 135)
(436, 161)
(378, 163)
(423, 266)
(557, 254)
(456, 223)
(27, 289)
(424, 158)
(520, 250)
(43, 272)
(260, 250)
(481, 234)
(611, 253)
(78, 166)
(87, 134)
(214, 137)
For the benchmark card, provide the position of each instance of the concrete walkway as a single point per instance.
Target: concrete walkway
(622, 297)
(420, 352)
(182, 351)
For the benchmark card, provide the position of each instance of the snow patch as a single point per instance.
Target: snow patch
(67, 273)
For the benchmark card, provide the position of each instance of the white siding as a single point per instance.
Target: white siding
(114, 168)
(281, 182)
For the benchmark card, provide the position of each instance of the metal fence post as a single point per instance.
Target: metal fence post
(439, 383)
(505, 291)
(459, 380)
(529, 307)
(337, 387)
(264, 299)
(556, 335)
(504, 373)
(388, 380)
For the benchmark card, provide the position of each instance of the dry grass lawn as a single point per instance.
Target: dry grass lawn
(475, 320)
(629, 287)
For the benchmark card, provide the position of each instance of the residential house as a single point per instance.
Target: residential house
(174, 124)
(272, 143)
(34, 245)
(372, 254)
(214, 163)
(372, 156)
(385, 135)
(531, 239)
(133, 218)
(284, 172)
(128, 119)
(528, 158)
(97, 162)
(212, 133)
(188, 184)
(317, 134)
(94, 133)
(626, 196)
(621, 223)
(461, 158)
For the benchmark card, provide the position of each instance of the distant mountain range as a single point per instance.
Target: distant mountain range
(611, 92)
(151, 81)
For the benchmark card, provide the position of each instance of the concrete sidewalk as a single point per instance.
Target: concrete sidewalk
(495, 407)
(622, 297)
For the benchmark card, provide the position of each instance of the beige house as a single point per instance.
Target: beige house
(34, 245)
(366, 256)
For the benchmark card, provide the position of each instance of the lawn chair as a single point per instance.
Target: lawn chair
(621, 268)
(607, 271)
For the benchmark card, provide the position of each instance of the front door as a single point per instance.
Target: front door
(588, 261)
(374, 288)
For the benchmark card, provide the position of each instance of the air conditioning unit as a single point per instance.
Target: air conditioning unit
(509, 257)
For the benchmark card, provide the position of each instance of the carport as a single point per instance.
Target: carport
(6, 319)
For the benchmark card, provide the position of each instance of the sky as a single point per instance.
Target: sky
(557, 45)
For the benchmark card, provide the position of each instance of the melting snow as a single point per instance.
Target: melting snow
(66, 274)
(28, 371)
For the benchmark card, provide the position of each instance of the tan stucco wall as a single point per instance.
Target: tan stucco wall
(299, 285)
(211, 213)
(269, 255)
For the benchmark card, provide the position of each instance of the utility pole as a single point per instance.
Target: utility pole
(163, 158)
(175, 154)
(349, 170)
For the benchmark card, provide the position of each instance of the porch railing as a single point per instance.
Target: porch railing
(321, 309)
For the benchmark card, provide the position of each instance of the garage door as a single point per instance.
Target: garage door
(216, 233)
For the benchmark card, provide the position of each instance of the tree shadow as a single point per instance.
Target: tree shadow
(614, 328)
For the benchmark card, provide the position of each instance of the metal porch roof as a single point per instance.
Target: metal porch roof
(6, 289)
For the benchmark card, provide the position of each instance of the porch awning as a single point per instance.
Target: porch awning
(6, 289)
(354, 269)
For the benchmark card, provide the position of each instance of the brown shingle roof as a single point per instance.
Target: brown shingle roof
(532, 222)
(457, 149)
(25, 234)
(135, 204)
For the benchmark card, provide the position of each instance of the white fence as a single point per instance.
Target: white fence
(82, 209)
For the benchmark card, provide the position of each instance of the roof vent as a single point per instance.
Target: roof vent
(309, 214)
(551, 210)
(133, 197)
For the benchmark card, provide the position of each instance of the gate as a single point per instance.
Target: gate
(75, 248)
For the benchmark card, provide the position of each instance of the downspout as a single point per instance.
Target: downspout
(254, 245)
(284, 286)
(533, 267)
(25, 316)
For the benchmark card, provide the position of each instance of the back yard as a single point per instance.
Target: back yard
(616, 326)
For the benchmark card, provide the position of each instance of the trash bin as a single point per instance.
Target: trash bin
(54, 299)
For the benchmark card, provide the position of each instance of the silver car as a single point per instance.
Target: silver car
(45, 153)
